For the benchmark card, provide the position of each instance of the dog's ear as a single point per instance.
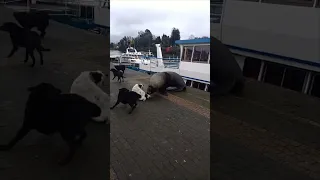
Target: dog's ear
(140, 86)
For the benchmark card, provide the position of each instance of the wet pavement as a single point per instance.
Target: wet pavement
(36, 156)
(162, 139)
(268, 133)
(250, 139)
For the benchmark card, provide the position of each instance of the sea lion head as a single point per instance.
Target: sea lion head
(151, 90)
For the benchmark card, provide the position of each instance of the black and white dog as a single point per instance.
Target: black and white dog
(138, 89)
(48, 111)
(125, 96)
(87, 85)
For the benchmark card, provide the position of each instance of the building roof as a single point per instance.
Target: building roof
(194, 41)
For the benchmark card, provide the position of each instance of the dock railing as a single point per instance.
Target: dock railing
(171, 62)
(63, 7)
(76, 13)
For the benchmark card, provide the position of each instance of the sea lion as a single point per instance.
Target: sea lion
(162, 80)
(226, 74)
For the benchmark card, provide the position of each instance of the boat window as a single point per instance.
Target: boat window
(201, 54)
(307, 3)
(187, 53)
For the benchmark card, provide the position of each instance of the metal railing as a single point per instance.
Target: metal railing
(62, 7)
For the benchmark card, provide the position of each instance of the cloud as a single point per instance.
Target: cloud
(127, 17)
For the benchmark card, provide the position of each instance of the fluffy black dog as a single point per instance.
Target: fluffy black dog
(21, 37)
(117, 73)
(39, 19)
(120, 67)
(48, 111)
(127, 97)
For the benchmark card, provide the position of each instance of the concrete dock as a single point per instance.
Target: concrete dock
(268, 133)
(164, 137)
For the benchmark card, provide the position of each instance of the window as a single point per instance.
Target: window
(215, 18)
(201, 54)
(202, 86)
(187, 53)
(216, 9)
(90, 12)
(195, 84)
(188, 83)
(86, 12)
(251, 67)
(308, 3)
(294, 78)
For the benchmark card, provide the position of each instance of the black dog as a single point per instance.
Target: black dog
(39, 19)
(48, 111)
(117, 73)
(21, 37)
(127, 97)
(120, 67)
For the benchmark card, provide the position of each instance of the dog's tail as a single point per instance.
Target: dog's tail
(44, 49)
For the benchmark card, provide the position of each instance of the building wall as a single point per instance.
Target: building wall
(268, 28)
(102, 16)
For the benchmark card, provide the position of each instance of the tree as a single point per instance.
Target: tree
(165, 41)
(124, 43)
(175, 35)
(157, 40)
(192, 37)
(112, 46)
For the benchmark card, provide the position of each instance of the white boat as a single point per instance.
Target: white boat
(193, 64)
(273, 41)
(131, 58)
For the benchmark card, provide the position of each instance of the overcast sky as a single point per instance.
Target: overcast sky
(127, 17)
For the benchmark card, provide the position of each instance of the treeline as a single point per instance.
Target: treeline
(146, 41)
